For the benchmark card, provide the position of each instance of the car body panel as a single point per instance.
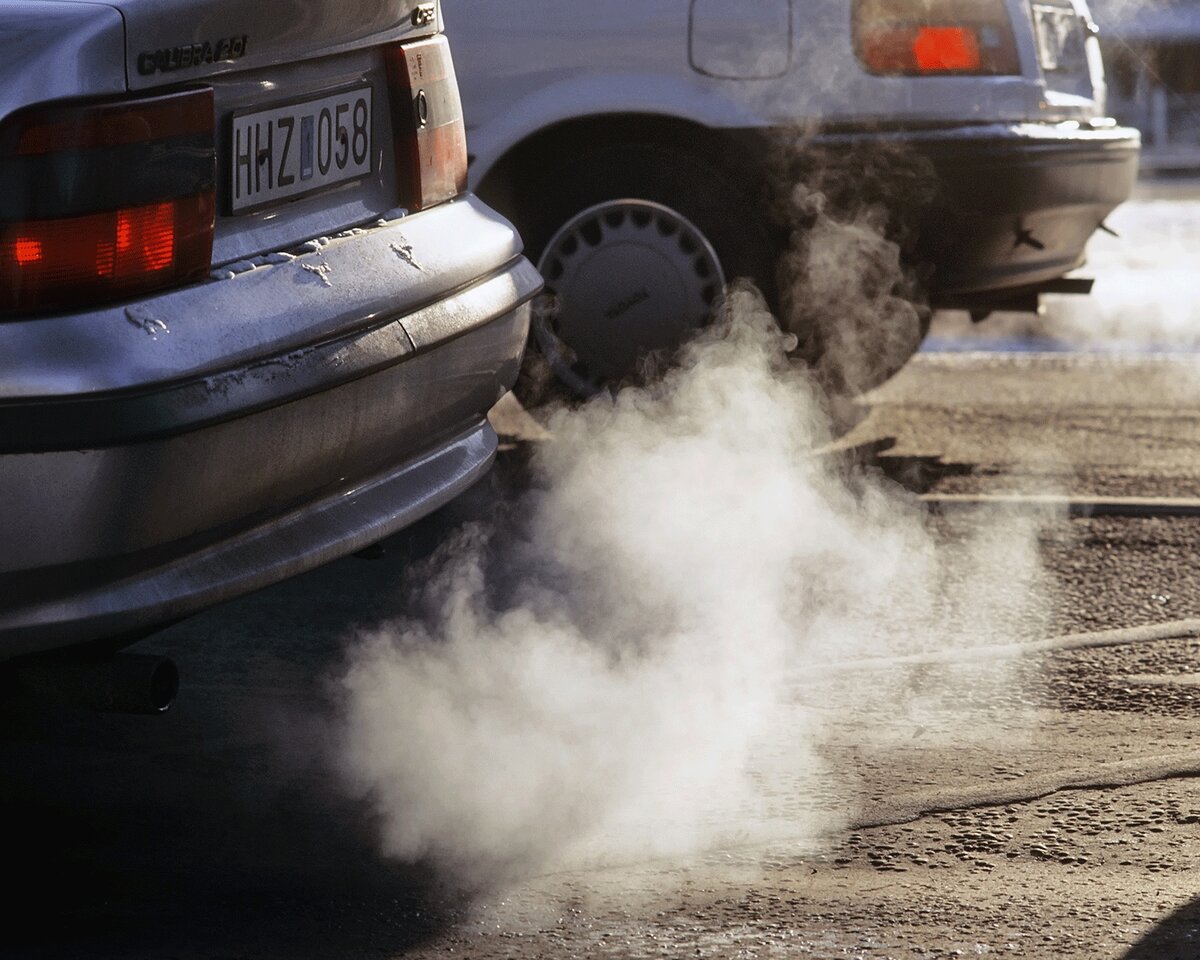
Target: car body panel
(294, 49)
(275, 32)
(563, 61)
(87, 530)
(60, 48)
(539, 72)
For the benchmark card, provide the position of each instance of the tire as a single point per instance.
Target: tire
(568, 199)
(636, 242)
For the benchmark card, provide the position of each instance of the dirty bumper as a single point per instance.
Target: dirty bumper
(128, 508)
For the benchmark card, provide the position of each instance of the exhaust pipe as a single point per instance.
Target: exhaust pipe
(121, 683)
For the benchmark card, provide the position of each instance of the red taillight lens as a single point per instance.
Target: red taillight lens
(942, 37)
(109, 201)
(59, 263)
(947, 50)
(427, 122)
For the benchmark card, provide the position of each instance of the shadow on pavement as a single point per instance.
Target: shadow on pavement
(218, 831)
(129, 837)
(1177, 937)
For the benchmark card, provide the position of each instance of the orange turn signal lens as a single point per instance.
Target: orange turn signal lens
(427, 121)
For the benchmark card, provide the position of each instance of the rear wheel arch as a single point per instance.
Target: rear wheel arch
(510, 184)
(691, 180)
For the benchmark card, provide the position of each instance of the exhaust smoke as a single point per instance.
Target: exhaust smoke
(846, 296)
(1145, 294)
(852, 215)
(604, 672)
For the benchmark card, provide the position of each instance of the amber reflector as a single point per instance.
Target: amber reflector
(427, 121)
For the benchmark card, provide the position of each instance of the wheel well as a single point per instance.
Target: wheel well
(731, 149)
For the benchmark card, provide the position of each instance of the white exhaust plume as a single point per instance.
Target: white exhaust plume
(1145, 293)
(843, 294)
(596, 684)
(651, 613)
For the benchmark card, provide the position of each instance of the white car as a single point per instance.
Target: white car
(630, 143)
(251, 319)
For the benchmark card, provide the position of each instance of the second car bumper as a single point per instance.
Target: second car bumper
(999, 207)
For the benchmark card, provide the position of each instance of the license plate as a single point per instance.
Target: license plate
(1060, 38)
(299, 148)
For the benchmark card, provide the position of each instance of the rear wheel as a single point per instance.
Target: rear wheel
(636, 242)
(630, 278)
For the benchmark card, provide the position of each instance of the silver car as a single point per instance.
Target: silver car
(252, 318)
(647, 151)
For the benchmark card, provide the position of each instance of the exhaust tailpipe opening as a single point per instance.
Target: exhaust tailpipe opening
(122, 683)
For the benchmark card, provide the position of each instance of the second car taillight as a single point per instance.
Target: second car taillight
(935, 37)
(427, 120)
(105, 201)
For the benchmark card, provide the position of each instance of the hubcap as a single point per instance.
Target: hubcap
(627, 277)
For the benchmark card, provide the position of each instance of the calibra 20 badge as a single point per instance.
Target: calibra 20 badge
(192, 55)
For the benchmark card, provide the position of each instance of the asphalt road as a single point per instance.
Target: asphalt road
(1035, 804)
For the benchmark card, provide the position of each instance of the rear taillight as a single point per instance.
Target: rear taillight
(427, 120)
(105, 201)
(935, 37)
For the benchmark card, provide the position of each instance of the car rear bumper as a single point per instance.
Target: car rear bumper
(131, 507)
(998, 207)
(121, 598)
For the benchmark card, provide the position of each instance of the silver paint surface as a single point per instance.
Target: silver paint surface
(279, 32)
(525, 65)
(59, 48)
